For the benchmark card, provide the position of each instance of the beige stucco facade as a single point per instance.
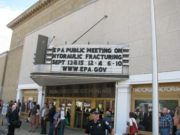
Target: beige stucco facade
(3, 60)
(123, 25)
(2, 63)
(39, 14)
(12, 74)
(133, 21)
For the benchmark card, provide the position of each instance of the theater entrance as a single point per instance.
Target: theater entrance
(79, 99)
(78, 109)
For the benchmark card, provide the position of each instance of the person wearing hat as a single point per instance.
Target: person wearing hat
(97, 126)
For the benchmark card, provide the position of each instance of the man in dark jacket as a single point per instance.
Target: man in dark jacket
(52, 111)
(12, 117)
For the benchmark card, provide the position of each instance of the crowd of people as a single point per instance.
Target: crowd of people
(48, 113)
(37, 117)
(56, 118)
(169, 122)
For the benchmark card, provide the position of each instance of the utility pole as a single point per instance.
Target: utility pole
(155, 93)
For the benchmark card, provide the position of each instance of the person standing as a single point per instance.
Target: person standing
(176, 119)
(149, 121)
(56, 117)
(165, 122)
(44, 115)
(68, 115)
(97, 126)
(61, 121)
(112, 132)
(9, 110)
(32, 114)
(108, 118)
(13, 115)
(19, 105)
(37, 119)
(52, 111)
(133, 127)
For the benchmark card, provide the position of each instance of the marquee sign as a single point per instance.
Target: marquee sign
(91, 59)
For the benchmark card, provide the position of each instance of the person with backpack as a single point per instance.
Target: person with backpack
(108, 118)
(133, 127)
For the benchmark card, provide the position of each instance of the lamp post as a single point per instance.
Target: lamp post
(155, 93)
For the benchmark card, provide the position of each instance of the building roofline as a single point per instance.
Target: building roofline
(30, 11)
(4, 53)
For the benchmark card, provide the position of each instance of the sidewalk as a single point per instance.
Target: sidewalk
(25, 127)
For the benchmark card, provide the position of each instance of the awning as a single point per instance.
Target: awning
(53, 79)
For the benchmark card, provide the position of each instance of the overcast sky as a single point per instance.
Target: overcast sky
(10, 9)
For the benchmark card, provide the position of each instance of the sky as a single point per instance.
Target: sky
(9, 10)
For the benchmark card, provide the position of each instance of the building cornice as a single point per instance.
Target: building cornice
(163, 77)
(3, 53)
(29, 12)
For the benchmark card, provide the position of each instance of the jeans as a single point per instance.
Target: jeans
(11, 129)
(43, 126)
(164, 131)
(61, 128)
(51, 128)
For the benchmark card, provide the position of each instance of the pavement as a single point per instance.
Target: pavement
(25, 127)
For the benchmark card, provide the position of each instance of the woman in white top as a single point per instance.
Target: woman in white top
(133, 127)
(61, 121)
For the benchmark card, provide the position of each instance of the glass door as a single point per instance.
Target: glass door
(78, 113)
(82, 112)
(86, 112)
(67, 104)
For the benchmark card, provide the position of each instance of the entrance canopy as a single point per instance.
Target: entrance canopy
(52, 79)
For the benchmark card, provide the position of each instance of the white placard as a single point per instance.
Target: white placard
(96, 59)
(4, 109)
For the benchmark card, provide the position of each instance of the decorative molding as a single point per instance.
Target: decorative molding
(3, 54)
(161, 89)
(37, 7)
(164, 77)
(30, 11)
(29, 86)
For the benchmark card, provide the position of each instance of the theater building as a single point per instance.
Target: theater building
(88, 54)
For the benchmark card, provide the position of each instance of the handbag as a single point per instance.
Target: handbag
(133, 129)
(66, 121)
(17, 123)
